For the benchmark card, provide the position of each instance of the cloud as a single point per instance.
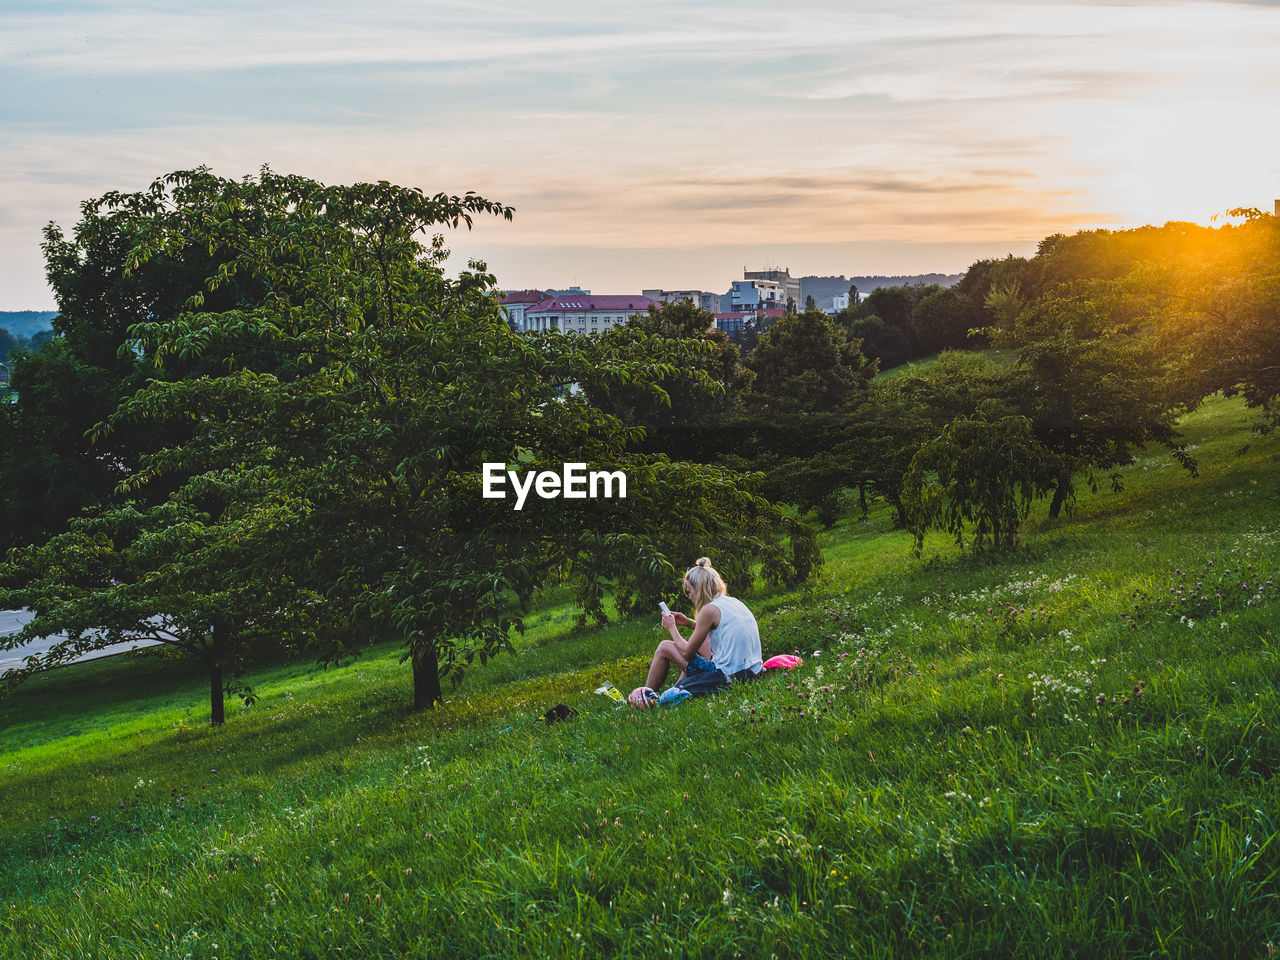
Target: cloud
(686, 124)
(944, 85)
(841, 181)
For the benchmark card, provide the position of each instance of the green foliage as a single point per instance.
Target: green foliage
(684, 413)
(7, 343)
(897, 324)
(809, 376)
(50, 469)
(938, 771)
(983, 473)
(983, 276)
(206, 581)
(806, 364)
(881, 438)
(1212, 294)
(1005, 304)
(941, 320)
(355, 405)
(888, 344)
(1096, 383)
(1223, 317)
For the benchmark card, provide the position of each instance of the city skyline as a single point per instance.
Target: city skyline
(667, 144)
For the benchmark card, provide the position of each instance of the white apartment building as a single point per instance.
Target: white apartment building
(707, 301)
(782, 277)
(583, 314)
(751, 296)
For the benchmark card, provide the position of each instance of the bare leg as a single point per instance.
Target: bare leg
(663, 658)
(667, 654)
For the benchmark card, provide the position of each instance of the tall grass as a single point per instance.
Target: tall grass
(1064, 752)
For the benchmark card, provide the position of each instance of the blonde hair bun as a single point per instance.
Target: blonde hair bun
(704, 582)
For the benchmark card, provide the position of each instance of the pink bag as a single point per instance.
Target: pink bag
(783, 661)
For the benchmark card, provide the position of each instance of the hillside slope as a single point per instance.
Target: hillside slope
(1068, 751)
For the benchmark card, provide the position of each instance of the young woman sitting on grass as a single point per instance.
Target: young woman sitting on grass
(724, 646)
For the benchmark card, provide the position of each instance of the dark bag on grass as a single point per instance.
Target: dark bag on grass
(560, 711)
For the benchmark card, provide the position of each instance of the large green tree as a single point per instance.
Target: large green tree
(362, 396)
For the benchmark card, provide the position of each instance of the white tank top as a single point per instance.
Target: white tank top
(735, 642)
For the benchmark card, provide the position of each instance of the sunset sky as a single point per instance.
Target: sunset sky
(660, 144)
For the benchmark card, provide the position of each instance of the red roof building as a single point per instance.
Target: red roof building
(516, 302)
(583, 313)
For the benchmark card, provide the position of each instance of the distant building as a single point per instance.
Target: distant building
(704, 300)
(516, 302)
(753, 295)
(574, 313)
(734, 323)
(782, 277)
(839, 302)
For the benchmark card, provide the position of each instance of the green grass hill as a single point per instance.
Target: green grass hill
(1070, 751)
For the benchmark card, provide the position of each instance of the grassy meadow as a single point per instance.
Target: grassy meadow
(1070, 751)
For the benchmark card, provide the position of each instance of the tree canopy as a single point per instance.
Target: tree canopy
(355, 402)
(685, 416)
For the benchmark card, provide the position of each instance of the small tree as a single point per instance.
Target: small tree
(983, 472)
(1096, 383)
(208, 588)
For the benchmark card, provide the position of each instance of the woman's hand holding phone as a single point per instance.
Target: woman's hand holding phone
(670, 619)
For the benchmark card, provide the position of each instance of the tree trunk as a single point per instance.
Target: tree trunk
(216, 712)
(862, 500)
(426, 679)
(1060, 493)
(896, 500)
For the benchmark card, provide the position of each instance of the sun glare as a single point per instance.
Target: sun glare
(1158, 164)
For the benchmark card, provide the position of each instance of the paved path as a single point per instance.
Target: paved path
(11, 621)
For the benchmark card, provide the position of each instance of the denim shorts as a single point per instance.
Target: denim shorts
(704, 664)
(702, 676)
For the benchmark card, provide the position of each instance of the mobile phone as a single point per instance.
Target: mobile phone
(663, 607)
